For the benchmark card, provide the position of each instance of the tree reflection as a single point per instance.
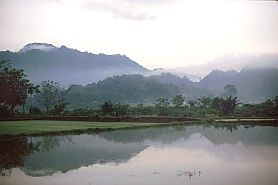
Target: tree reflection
(15, 149)
(12, 153)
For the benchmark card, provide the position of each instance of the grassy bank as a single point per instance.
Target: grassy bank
(128, 119)
(39, 127)
(33, 127)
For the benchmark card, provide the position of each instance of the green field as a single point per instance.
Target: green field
(43, 127)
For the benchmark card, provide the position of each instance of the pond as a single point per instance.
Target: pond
(153, 156)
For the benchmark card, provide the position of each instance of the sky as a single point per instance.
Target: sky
(154, 33)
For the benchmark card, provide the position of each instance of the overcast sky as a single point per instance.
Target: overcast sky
(155, 33)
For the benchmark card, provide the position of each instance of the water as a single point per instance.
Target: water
(153, 156)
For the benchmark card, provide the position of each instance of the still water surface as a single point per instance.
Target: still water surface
(153, 156)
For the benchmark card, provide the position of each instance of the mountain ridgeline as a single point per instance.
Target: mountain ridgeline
(89, 79)
(68, 66)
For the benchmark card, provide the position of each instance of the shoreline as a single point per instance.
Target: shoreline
(38, 127)
(50, 127)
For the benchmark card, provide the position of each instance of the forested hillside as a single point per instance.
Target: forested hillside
(68, 66)
(127, 89)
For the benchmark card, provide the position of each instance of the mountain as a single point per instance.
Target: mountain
(255, 76)
(217, 79)
(41, 61)
(233, 62)
(253, 84)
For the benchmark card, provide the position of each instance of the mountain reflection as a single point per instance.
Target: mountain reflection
(46, 155)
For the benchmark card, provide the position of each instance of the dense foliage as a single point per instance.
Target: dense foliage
(14, 88)
(204, 107)
(51, 97)
(264, 109)
(125, 89)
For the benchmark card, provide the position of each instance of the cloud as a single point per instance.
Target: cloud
(126, 9)
(120, 10)
(150, 2)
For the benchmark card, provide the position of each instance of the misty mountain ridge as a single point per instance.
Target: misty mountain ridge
(233, 62)
(253, 84)
(256, 81)
(40, 46)
(41, 61)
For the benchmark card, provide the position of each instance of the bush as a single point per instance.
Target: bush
(35, 111)
(4, 112)
(96, 116)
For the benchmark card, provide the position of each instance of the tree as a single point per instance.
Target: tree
(121, 110)
(141, 109)
(216, 103)
(178, 101)
(275, 104)
(162, 106)
(230, 90)
(192, 103)
(51, 94)
(107, 107)
(59, 108)
(14, 87)
(226, 107)
(205, 102)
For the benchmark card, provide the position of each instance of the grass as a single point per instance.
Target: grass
(33, 127)
(40, 127)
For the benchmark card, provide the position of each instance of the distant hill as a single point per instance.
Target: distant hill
(126, 89)
(42, 61)
(254, 85)
(217, 79)
(186, 87)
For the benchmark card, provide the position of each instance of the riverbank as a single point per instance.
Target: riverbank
(42, 127)
(248, 121)
(129, 119)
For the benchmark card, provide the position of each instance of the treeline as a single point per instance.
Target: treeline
(117, 97)
(178, 107)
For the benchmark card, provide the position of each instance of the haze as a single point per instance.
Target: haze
(158, 33)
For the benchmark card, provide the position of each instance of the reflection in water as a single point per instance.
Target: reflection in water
(165, 155)
(12, 152)
(80, 150)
